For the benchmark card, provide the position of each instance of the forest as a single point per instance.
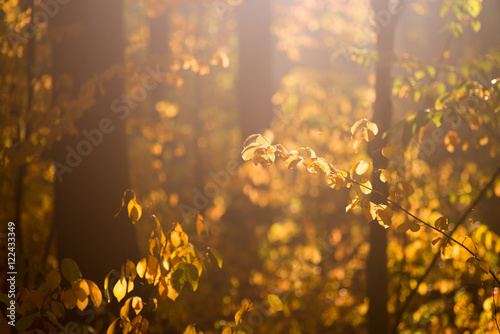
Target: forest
(250, 166)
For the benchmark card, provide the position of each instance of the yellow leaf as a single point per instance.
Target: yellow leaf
(292, 161)
(372, 127)
(275, 302)
(175, 238)
(125, 309)
(112, 328)
(227, 330)
(388, 150)
(95, 293)
(120, 289)
(368, 135)
(248, 151)
(408, 225)
(385, 176)
(141, 267)
(384, 216)
(200, 225)
(136, 304)
(357, 144)
(238, 317)
(172, 293)
(441, 224)
(68, 298)
(470, 261)
(362, 167)
(484, 265)
(134, 210)
(366, 186)
(130, 271)
(153, 271)
(190, 330)
(356, 125)
(262, 140)
(336, 181)
(82, 304)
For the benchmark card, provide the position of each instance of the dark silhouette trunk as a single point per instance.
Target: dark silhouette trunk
(255, 111)
(88, 41)
(377, 278)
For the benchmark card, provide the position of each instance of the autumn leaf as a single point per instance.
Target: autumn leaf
(388, 150)
(216, 255)
(95, 293)
(53, 279)
(70, 270)
(200, 224)
(190, 330)
(134, 210)
(408, 225)
(275, 302)
(356, 125)
(357, 144)
(441, 224)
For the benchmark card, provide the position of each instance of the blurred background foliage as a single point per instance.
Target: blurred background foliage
(301, 73)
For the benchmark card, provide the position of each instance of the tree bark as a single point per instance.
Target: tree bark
(377, 278)
(89, 39)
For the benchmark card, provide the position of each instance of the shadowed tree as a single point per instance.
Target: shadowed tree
(88, 41)
(377, 281)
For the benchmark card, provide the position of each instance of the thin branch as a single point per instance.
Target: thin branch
(461, 220)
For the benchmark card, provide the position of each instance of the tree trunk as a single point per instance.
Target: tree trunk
(255, 66)
(377, 281)
(88, 40)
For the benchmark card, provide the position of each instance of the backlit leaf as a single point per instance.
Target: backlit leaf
(227, 330)
(368, 135)
(120, 289)
(485, 267)
(275, 302)
(112, 328)
(372, 127)
(141, 267)
(238, 317)
(136, 304)
(356, 125)
(388, 150)
(292, 161)
(95, 293)
(362, 167)
(408, 225)
(441, 224)
(190, 330)
(217, 256)
(134, 210)
(200, 225)
(357, 144)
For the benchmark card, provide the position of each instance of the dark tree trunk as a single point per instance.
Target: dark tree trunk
(377, 279)
(90, 40)
(255, 61)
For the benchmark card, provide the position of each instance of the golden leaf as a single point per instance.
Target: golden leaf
(95, 293)
(356, 125)
(134, 210)
(200, 225)
(388, 150)
(441, 224)
(141, 267)
(275, 302)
